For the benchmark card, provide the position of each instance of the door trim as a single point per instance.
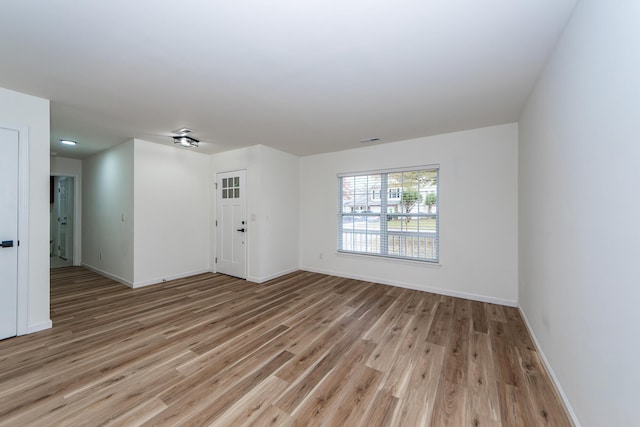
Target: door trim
(23, 227)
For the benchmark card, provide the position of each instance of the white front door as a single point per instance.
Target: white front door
(231, 223)
(8, 233)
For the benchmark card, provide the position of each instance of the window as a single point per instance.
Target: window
(231, 188)
(391, 213)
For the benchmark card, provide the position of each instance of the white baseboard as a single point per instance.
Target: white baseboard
(271, 276)
(144, 283)
(37, 327)
(255, 279)
(447, 292)
(109, 275)
(167, 278)
(554, 379)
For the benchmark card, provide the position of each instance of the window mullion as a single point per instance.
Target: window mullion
(384, 193)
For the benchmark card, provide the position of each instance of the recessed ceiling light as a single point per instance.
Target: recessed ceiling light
(67, 142)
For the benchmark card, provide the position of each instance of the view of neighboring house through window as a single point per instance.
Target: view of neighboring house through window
(392, 213)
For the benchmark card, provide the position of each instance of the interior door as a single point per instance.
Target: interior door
(65, 209)
(231, 223)
(8, 233)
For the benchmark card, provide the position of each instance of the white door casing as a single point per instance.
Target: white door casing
(231, 223)
(8, 233)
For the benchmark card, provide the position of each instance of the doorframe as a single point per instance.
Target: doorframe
(22, 321)
(77, 241)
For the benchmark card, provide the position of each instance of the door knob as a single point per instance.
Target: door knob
(7, 244)
(240, 229)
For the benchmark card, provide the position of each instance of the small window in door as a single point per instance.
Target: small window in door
(231, 188)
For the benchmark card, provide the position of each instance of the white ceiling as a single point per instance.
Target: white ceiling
(304, 77)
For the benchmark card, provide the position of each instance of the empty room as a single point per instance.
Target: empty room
(319, 213)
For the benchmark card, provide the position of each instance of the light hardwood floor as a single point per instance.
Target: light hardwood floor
(304, 349)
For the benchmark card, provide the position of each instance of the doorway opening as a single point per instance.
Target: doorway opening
(61, 207)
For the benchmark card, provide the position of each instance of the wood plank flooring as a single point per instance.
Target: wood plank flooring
(302, 350)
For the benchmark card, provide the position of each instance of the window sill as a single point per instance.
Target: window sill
(382, 258)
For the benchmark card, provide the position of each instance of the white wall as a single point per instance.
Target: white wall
(62, 166)
(279, 213)
(171, 213)
(272, 204)
(66, 167)
(478, 213)
(33, 113)
(579, 165)
(107, 212)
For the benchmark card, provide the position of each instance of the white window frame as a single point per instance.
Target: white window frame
(418, 245)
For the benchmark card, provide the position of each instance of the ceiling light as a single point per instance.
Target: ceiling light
(185, 141)
(67, 142)
(182, 131)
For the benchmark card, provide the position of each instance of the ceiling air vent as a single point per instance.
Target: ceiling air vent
(368, 140)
